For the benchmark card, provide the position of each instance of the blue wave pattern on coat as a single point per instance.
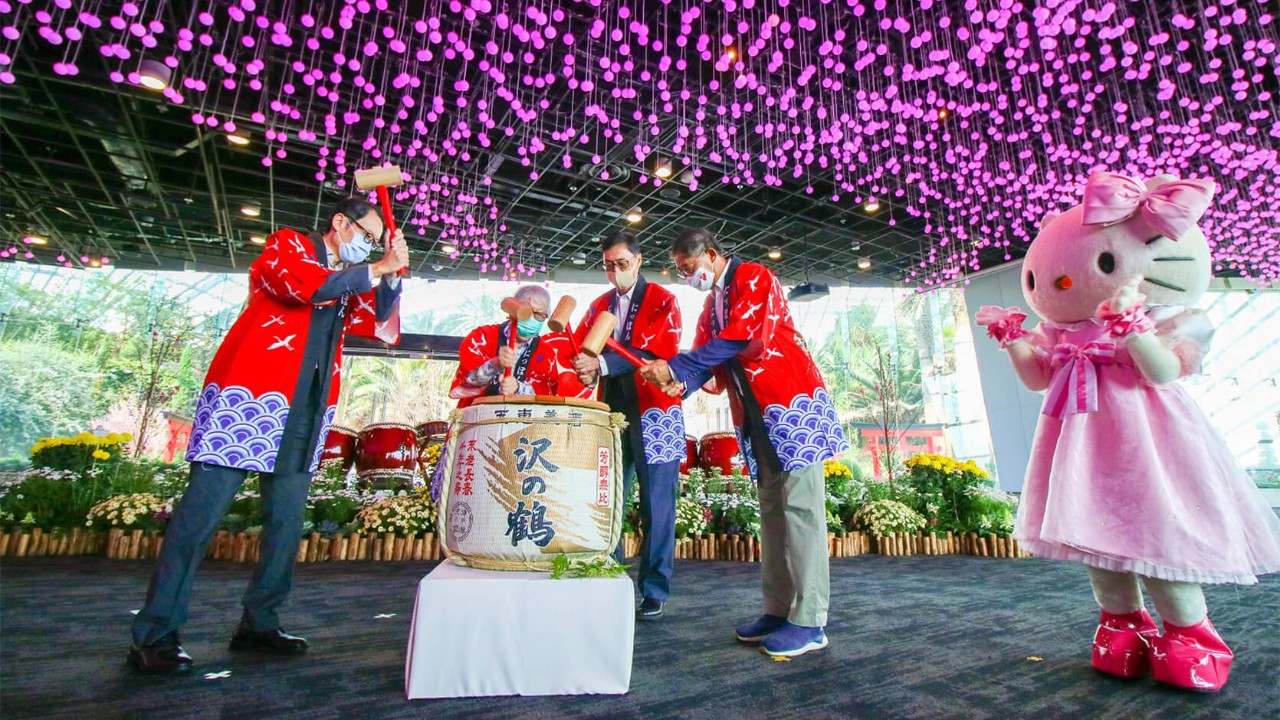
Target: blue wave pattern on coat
(805, 432)
(324, 431)
(234, 428)
(663, 435)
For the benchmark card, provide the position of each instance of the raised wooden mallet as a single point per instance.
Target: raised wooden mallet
(600, 336)
(517, 310)
(559, 320)
(381, 178)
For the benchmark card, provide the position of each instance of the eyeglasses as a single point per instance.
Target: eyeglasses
(685, 275)
(368, 235)
(612, 265)
(540, 315)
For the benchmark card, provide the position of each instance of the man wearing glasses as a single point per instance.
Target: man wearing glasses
(539, 363)
(747, 345)
(267, 402)
(649, 324)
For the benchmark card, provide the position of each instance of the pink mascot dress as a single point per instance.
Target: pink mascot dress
(1126, 474)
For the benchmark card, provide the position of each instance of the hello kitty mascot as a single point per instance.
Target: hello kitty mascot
(1126, 473)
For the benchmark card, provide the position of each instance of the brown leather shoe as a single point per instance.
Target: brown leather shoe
(269, 641)
(162, 656)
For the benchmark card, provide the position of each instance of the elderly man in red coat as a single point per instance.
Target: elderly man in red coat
(538, 364)
(267, 402)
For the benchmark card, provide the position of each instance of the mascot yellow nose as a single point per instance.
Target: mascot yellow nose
(1063, 283)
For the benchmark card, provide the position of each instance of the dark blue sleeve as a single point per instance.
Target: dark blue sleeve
(693, 368)
(619, 365)
(352, 281)
(385, 298)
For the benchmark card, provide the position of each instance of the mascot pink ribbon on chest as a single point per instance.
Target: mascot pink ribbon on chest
(1126, 473)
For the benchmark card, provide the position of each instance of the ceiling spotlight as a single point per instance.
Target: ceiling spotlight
(95, 263)
(237, 139)
(257, 240)
(251, 210)
(663, 169)
(686, 177)
(864, 263)
(665, 272)
(35, 240)
(855, 245)
(154, 75)
(872, 205)
(634, 215)
(579, 259)
(942, 113)
(448, 249)
(775, 254)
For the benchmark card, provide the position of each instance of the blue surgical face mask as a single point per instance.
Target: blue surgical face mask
(529, 328)
(356, 250)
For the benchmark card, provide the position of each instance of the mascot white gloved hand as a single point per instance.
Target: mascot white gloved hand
(1126, 473)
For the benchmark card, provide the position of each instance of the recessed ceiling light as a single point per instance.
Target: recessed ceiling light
(448, 249)
(864, 263)
(872, 205)
(775, 253)
(154, 75)
(237, 139)
(257, 240)
(252, 210)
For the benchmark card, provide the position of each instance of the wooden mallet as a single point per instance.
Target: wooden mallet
(517, 311)
(600, 336)
(381, 178)
(559, 320)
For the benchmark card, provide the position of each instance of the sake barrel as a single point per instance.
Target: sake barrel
(527, 478)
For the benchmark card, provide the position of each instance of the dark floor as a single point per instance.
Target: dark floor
(950, 637)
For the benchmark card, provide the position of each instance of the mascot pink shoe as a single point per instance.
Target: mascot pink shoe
(1195, 658)
(1121, 644)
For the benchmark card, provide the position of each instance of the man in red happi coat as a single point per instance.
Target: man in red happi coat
(649, 325)
(540, 364)
(267, 402)
(747, 345)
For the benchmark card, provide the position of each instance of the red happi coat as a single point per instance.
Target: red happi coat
(548, 369)
(656, 328)
(248, 391)
(784, 383)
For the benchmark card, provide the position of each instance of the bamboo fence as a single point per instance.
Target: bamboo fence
(389, 547)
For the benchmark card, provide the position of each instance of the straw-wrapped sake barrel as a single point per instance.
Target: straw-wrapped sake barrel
(529, 477)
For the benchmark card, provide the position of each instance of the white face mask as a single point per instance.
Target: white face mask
(702, 279)
(356, 250)
(624, 279)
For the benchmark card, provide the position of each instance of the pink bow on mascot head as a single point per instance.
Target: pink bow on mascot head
(1170, 209)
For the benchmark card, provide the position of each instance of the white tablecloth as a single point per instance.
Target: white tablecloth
(481, 633)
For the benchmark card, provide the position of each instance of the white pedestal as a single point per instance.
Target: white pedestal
(482, 633)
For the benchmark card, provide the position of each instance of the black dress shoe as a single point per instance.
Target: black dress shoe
(162, 656)
(650, 609)
(270, 641)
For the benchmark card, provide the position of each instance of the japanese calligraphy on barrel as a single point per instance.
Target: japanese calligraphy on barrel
(527, 478)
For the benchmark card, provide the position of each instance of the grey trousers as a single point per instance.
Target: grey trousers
(193, 525)
(793, 544)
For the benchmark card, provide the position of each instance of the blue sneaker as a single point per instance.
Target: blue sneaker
(759, 629)
(792, 640)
